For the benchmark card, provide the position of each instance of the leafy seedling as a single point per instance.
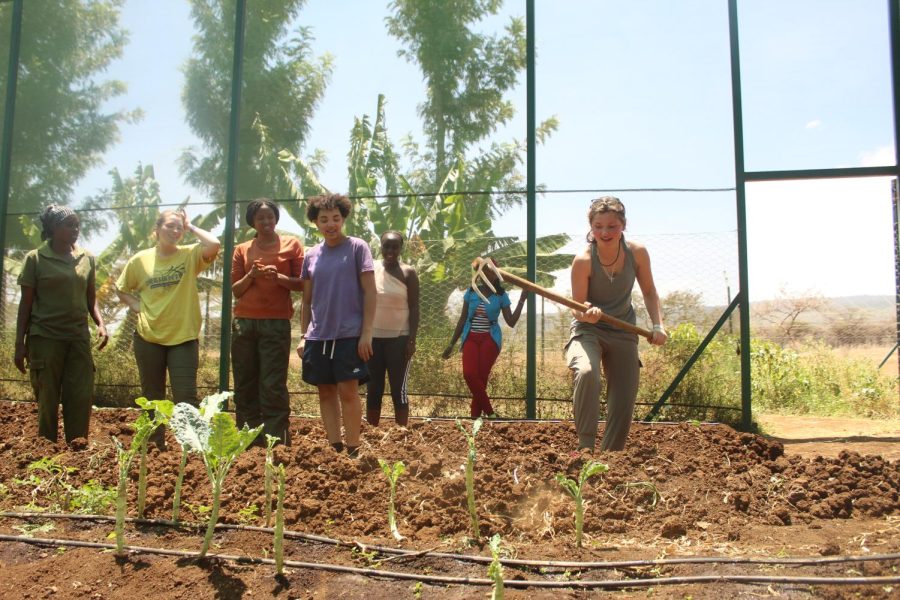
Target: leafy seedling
(161, 412)
(206, 411)
(393, 473)
(271, 440)
(574, 489)
(495, 570)
(214, 435)
(470, 474)
(279, 523)
(144, 426)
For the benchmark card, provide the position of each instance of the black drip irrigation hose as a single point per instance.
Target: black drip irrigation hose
(509, 562)
(512, 583)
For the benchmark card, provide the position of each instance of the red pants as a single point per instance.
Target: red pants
(479, 354)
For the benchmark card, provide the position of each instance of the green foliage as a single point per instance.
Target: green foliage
(575, 488)
(93, 498)
(154, 413)
(248, 514)
(393, 473)
(495, 570)
(161, 411)
(214, 435)
(470, 474)
(271, 440)
(283, 84)
(279, 523)
(63, 121)
(51, 489)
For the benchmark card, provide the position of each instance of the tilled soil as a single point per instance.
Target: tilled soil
(677, 490)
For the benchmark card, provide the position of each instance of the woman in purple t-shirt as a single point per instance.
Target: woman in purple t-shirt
(336, 319)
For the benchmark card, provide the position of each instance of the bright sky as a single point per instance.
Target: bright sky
(643, 94)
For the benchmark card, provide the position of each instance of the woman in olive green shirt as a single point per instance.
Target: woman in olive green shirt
(58, 295)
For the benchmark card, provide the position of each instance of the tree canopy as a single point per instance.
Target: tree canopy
(63, 125)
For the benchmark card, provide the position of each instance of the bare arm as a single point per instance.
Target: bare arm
(459, 329)
(305, 314)
(412, 300)
(581, 275)
(294, 284)
(208, 241)
(367, 282)
(22, 320)
(129, 300)
(644, 277)
(512, 317)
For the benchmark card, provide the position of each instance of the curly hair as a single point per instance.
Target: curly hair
(328, 202)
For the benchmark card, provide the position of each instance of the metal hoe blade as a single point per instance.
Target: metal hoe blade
(479, 275)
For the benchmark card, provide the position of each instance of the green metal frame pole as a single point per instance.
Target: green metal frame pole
(237, 80)
(894, 26)
(9, 111)
(740, 194)
(531, 176)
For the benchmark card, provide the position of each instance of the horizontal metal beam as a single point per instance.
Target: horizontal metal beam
(888, 171)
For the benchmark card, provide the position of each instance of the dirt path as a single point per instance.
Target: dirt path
(828, 436)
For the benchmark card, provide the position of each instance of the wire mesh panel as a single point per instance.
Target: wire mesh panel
(421, 121)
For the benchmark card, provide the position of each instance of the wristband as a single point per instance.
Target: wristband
(658, 328)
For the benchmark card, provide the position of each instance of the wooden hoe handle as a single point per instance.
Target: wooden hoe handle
(559, 299)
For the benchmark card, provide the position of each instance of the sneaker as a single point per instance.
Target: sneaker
(493, 415)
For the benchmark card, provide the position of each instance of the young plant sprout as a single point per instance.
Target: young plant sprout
(279, 522)
(574, 489)
(271, 440)
(393, 473)
(495, 571)
(162, 410)
(214, 435)
(470, 474)
(146, 424)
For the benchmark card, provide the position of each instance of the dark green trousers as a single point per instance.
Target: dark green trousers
(62, 371)
(180, 361)
(260, 350)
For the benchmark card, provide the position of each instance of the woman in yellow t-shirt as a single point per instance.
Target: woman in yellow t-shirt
(160, 284)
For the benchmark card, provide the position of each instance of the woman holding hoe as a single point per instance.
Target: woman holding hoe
(603, 277)
(336, 319)
(481, 338)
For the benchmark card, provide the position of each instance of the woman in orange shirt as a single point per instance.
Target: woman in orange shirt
(264, 272)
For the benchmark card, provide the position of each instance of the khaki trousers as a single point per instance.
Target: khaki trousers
(614, 354)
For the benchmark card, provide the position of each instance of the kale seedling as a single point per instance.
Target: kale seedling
(470, 474)
(393, 473)
(214, 435)
(495, 571)
(161, 411)
(146, 424)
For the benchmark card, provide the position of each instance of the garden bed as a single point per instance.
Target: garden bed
(678, 490)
